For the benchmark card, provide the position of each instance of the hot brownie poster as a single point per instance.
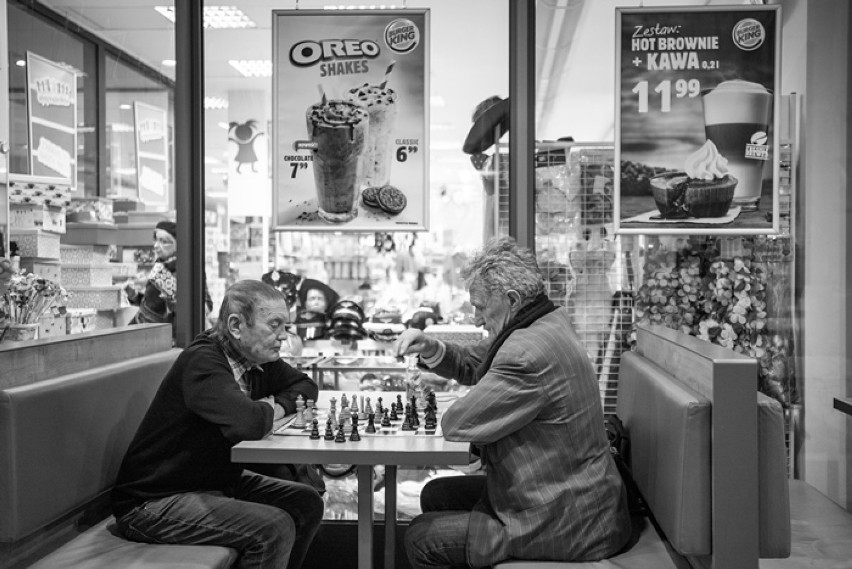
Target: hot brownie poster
(350, 102)
(696, 118)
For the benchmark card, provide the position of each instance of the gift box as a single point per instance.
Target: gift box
(36, 243)
(51, 326)
(84, 254)
(79, 320)
(26, 190)
(90, 210)
(50, 270)
(86, 275)
(99, 298)
(37, 216)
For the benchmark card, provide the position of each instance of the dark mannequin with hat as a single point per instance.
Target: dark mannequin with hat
(490, 123)
(157, 301)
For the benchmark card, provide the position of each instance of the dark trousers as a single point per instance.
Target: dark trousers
(437, 538)
(270, 522)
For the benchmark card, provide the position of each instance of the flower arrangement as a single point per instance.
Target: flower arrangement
(718, 300)
(27, 297)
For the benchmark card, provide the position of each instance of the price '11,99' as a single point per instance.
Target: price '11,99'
(682, 88)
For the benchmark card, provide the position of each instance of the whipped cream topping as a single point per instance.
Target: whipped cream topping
(370, 95)
(337, 113)
(740, 86)
(706, 163)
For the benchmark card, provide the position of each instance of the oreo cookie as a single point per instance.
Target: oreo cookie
(370, 196)
(391, 200)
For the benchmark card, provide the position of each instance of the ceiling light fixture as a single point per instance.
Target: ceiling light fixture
(215, 103)
(169, 62)
(252, 67)
(216, 17)
(21, 63)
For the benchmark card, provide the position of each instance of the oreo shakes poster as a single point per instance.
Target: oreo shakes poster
(350, 116)
(696, 120)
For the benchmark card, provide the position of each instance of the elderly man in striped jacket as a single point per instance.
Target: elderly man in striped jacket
(551, 490)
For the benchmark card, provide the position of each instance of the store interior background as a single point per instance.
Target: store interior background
(574, 97)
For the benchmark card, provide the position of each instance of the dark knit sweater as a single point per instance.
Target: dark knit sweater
(199, 412)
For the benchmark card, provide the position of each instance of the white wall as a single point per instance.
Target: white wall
(816, 65)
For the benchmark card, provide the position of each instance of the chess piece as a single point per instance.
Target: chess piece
(341, 436)
(432, 402)
(368, 409)
(315, 430)
(393, 415)
(344, 401)
(310, 405)
(371, 423)
(299, 422)
(333, 407)
(329, 431)
(386, 419)
(415, 419)
(379, 409)
(430, 420)
(406, 423)
(399, 404)
(355, 436)
(354, 405)
(346, 419)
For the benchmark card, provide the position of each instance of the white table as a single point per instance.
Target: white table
(389, 451)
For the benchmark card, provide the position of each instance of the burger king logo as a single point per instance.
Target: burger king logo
(749, 34)
(402, 36)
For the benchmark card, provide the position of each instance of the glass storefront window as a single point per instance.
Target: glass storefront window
(30, 33)
(125, 87)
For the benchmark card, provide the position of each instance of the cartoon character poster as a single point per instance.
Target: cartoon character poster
(249, 185)
(350, 115)
(697, 116)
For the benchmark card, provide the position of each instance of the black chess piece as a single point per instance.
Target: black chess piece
(379, 409)
(431, 401)
(329, 432)
(430, 420)
(341, 436)
(393, 414)
(407, 425)
(371, 423)
(399, 404)
(315, 430)
(414, 419)
(354, 436)
(386, 419)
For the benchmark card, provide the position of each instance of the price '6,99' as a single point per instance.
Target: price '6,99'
(682, 88)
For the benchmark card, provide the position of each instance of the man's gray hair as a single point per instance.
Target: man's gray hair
(503, 265)
(243, 298)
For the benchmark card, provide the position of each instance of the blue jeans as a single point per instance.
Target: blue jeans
(437, 538)
(270, 522)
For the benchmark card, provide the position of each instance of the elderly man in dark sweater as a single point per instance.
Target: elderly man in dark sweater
(177, 483)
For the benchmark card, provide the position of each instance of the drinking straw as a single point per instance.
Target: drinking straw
(387, 73)
(322, 93)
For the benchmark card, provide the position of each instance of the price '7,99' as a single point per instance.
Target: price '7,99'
(682, 88)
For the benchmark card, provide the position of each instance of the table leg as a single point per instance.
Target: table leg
(390, 516)
(365, 516)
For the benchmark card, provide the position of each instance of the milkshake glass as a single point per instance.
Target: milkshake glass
(380, 103)
(339, 129)
(737, 115)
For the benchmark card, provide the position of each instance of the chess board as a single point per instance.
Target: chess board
(287, 425)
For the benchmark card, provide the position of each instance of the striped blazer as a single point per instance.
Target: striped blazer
(553, 491)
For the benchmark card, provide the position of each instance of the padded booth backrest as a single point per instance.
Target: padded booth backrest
(670, 434)
(669, 428)
(62, 440)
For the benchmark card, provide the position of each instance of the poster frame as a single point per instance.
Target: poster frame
(148, 197)
(391, 224)
(30, 57)
(773, 227)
